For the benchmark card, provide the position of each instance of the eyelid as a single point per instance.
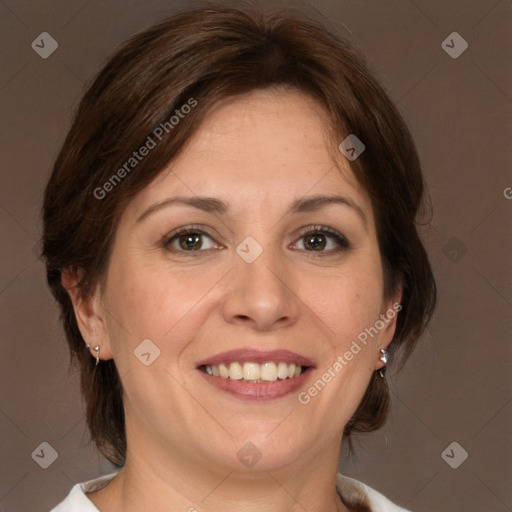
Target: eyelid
(191, 228)
(341, 240)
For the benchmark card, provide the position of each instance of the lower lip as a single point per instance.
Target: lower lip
(257, 391)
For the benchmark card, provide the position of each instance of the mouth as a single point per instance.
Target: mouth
(256, 375)
(270, 371)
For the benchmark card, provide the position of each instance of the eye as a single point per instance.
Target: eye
(321, 239)
(189, 239)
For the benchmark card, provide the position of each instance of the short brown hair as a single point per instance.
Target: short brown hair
(208, 54)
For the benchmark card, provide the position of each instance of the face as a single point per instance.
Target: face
(252, 266)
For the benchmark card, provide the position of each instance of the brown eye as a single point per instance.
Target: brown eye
(190, 241)
(315, 242)
(322, 240)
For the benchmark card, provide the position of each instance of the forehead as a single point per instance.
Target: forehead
(268, 143)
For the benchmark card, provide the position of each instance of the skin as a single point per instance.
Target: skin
(257, 153)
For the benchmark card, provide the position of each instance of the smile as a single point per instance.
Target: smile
(248, 374)
(254, 372)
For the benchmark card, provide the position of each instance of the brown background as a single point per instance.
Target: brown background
(457, 386)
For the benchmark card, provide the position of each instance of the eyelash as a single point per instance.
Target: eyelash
(168, 239)
(342, 243)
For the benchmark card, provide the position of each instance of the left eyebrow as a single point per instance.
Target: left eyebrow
(315, 203)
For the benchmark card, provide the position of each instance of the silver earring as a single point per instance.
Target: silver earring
(384, 359)
(97, 350)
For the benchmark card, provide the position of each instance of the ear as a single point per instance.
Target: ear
(389, 314)
(90, 315)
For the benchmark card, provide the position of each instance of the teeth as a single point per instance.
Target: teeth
(282, 370)
(254, 372)
(223, 370)
(251, 371)
(269, 371)
(235, 371)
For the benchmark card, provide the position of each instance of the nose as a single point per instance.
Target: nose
(260, 294)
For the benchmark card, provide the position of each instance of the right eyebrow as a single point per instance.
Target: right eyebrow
(206, 204)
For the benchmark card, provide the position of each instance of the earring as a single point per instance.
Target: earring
(97, 350)
(384, 359)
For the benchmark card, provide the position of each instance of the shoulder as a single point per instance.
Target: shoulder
(77, 501)
(356, 494)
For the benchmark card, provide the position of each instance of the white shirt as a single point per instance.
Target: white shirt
(353, 492)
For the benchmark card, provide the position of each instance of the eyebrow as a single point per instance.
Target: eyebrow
(206, 204)
(216, 206)
(315, 203)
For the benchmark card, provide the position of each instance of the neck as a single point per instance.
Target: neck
(150, 482)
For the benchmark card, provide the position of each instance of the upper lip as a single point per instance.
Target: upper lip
(257, 356)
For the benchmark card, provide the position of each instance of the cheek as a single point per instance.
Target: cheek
(150, 301)
(349, 303)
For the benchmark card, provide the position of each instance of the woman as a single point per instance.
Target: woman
(230, 233)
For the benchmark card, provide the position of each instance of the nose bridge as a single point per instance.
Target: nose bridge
(260, 291)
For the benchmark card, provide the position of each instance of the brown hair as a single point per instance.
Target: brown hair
(205, 55)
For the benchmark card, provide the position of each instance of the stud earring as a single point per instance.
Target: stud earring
(384, 359)
(97, 350)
